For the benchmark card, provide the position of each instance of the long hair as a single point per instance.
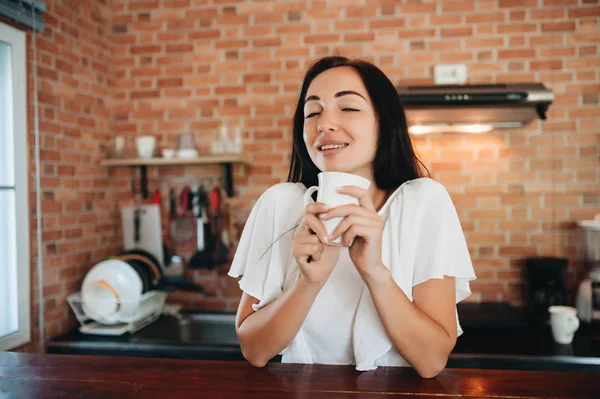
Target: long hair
(395, 159)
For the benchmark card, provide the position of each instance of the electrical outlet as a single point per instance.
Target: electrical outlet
(450, 74)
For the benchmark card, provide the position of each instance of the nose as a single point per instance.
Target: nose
(327, 123)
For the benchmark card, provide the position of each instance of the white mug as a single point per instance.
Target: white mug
(145, 146)
(329, 182)
(564, 323)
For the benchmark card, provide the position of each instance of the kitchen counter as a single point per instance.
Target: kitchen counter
(496, 336)
(52, 376)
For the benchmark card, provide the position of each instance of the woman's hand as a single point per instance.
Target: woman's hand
(361, 229)
(315, 259)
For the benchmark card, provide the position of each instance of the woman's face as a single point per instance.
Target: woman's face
(340, 126)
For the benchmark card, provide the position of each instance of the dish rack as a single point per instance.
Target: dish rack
(135, 317)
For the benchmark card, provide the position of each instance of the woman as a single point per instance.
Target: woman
(390, 298)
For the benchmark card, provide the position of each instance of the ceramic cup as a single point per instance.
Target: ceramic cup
(327, 193)
(564, 323)
(145, 146)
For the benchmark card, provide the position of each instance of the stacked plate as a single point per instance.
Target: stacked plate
(112, 289)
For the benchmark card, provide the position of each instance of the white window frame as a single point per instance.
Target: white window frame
(17, 40)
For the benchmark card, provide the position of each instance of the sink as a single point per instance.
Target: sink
(209, 328)
(198, 328)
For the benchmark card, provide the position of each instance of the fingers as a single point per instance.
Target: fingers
(311, 223)
(354, 220)
(346, 210)
(308, 246)
(316, 208)
(368, 233)
(364, 199)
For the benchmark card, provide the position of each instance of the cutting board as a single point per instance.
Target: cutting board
(150, 233)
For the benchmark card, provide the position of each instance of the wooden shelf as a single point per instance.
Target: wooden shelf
(225, 160)
(204, 160)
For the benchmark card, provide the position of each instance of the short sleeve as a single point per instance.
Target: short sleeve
(262, 255)
(441, 245)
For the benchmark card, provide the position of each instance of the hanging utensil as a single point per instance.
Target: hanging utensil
(221, 252)
(172, 215)
(184, 225)
(166, 261)
(202, 258)
(136, 225)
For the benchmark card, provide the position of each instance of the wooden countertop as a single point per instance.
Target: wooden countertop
(52, 376)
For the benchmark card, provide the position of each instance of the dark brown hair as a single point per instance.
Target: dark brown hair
(395, 159)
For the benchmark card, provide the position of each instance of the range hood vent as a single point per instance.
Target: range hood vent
(477, 107)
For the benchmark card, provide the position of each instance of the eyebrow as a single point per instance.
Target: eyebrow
(338, 94)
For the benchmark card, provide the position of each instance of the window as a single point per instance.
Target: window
(14, 215)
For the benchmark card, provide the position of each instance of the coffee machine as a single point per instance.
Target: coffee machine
(546, 285)
(588, 295)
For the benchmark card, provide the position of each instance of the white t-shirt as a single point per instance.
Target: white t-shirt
(422, 239)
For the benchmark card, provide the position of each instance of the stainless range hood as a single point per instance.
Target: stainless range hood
(473, 108)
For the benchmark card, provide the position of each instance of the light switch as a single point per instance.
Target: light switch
(450, 74)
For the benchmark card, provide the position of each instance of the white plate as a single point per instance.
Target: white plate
(111, 291)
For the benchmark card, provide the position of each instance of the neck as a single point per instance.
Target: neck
(378, 195)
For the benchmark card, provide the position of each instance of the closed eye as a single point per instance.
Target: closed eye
(350, 109)
(312, 114)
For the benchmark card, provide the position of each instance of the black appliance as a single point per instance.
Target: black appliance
(545, 285)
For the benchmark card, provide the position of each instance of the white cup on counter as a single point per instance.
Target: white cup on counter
(564, 323)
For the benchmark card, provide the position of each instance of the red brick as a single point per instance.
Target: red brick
(517, 3)
(349, 25)
(445, 19)
(486, 18)
(312, 39)
(415, 8)
(546, 65)
(522, 53)
(267, 42)
(455, 57)
(558, 27)
(416, 34)
(359, 37)
(584, 12)
(150, 49)
(484, 43)
(387, 23)
(144, 94)
(361, 12)
(268, 18)
(257, 77)
(587, 50)
(294, 28)
(172, 82)
(205, 34)
(143, 5)
(222, 44)
(233, 20)
(465, 31)
(516, 28)
(557, 52)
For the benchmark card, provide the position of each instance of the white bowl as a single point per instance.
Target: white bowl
(187, 153)
(145, 146)
(111, 292)
(168, 153)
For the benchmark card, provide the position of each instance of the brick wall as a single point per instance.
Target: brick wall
(79, 216)
(166, 67)
(188, 65)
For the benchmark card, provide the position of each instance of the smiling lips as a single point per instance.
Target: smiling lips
(327, 147)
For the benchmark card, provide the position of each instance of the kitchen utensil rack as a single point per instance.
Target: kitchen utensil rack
(225, 160)
(144, 312)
